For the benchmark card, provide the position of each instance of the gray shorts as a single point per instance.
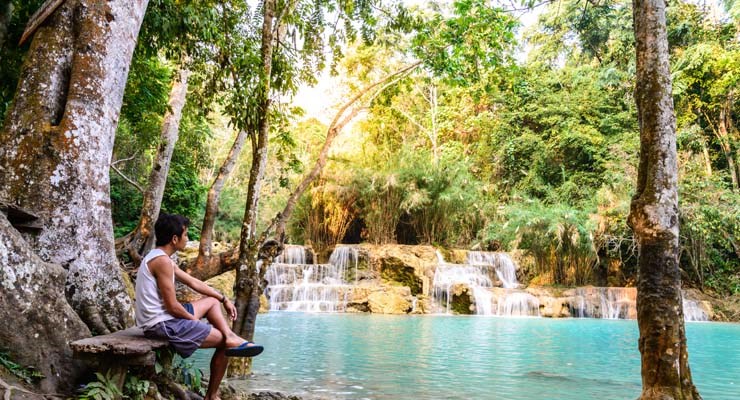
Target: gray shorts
(184, 335)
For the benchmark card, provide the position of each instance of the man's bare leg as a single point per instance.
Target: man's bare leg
(218, 369)
(210, 308)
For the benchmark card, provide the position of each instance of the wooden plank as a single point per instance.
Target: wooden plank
(39, 17)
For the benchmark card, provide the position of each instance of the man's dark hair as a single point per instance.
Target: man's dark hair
(169, 225)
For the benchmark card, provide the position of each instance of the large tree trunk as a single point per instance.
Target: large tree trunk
(57, 145)
(38, 321)
(248, 286)
(654, 216)
(141, 239)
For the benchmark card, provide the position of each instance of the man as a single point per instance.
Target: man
(160, 314)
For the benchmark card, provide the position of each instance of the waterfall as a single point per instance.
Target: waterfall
(503, 264)
(292, 254)
(345, 257)
(692, 311)
(518, 304)
(294, 285)
(604, 302)
(477, 276)
(620, 303)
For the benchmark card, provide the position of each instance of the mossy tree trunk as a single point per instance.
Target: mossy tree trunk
(137, 243)
(56, 147)
(654, 216)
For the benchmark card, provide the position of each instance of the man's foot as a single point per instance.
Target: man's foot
(233, 340)
(246, 349)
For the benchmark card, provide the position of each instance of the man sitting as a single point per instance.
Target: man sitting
(160, 314)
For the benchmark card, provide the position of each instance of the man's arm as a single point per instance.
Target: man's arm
(196, 284)
(201, 287)
(163, 269)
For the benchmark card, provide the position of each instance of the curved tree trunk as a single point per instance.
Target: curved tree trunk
(38, 320)
(141, 239)
(214, 193)
(654, 216)
(57, 144)
(335, 127)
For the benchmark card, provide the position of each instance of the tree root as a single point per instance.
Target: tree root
(9, 389)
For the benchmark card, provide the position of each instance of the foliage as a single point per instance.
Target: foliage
(27, 374)
(184, 372)
(135, 388)
(104, 388)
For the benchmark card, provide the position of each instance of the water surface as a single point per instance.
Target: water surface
(367, 356)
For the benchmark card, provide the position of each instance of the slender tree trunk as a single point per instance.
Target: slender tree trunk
(214, 193)
(733, 138)
(654, 216)
(141, 240)
(433, 134)
(707, 159)
(725, 142)
(248, 287)
(337, 124)
(57, 145)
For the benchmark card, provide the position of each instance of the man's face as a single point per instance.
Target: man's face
(181, 241)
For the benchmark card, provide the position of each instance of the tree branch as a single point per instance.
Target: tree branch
(127, 179)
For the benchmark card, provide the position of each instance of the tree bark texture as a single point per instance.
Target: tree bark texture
(248, 286)
(38, 321)
(57, 145)
(654, 216)
(137, 243)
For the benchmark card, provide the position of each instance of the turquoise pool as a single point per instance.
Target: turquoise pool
(359, 356)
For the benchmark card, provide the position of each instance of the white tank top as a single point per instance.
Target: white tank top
(149, 305)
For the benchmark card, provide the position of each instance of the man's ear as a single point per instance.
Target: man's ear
(175, 239)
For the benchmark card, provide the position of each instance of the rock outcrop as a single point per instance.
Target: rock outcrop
(399, 279)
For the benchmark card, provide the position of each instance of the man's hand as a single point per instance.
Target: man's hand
(230, 309)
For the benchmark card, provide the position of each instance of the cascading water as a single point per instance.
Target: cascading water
(478, 277)
(294, 285)
(503, 264)
(292, 254)
(692, 311)
(620, 303)
(345, 257)
(604, 302)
